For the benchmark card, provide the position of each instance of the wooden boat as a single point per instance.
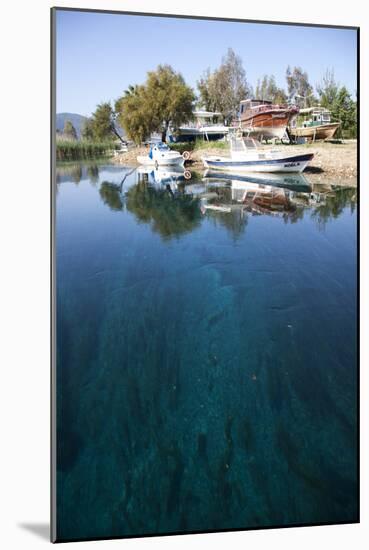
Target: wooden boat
(248, 156)
(318, 126)
(261, 119)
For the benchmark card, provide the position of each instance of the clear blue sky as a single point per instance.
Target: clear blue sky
(99, 55)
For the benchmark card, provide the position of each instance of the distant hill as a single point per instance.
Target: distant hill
(76, 120)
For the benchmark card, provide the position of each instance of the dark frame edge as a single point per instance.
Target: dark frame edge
(204, 17)
(53, 530)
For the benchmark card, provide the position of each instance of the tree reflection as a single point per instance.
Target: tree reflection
(111, 195)
(171, 215)
(334, 203)
(76, 171)
(93, 173)
(234, 222)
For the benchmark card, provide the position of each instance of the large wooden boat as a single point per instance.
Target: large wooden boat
(264, 120)
(318, 126)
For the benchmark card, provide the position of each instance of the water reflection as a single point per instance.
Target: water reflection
(174, 201)
(169, 213)
(225, 370)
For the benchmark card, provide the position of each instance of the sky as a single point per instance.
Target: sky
(98, 55)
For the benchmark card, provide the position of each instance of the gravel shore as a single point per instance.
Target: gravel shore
(332, 160)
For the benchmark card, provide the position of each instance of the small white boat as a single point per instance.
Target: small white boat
(161, 155)
(247, 155)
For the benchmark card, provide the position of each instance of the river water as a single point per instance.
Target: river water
(206, 351)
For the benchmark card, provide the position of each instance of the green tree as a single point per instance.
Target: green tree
(299, 87)
(134, 115)
(223, 89)
(103, 123)
(87, 130)
(204, 86)
(69, 130)
(344, 108)
(164, 99)
(267, 88)
(169, 98)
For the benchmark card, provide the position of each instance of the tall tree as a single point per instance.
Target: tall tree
(204, 86)
(87, 130)
(164, 99)
(344, 108)
(299, 87)
(69, 130)
(133, 114)
(267, 88)
(327, 89)
(170, 99)
(223, 89)
(103, 123)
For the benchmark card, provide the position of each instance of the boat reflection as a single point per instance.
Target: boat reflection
(174, 201)
(172, 175)
(273, 194)
(294, 182)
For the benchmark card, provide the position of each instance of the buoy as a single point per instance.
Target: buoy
(187, 175)
(186, 155)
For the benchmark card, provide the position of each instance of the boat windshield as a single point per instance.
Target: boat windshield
(162, 146)
(239, 145)
(250, 143)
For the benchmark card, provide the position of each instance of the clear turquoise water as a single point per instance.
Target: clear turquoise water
(206, 361)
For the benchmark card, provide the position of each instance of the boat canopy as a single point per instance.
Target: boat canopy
(206, 114)
(239, 145)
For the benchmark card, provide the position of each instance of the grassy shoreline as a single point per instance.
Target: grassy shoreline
(81, 150)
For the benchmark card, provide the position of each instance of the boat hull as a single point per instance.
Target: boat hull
(324, 131)
(208, 133)
(295, 164)
(266, 124)
(147, 161)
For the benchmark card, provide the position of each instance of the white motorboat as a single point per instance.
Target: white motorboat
(161, 155)
(247, 155)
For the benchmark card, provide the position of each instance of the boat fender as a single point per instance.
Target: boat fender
(186, 155)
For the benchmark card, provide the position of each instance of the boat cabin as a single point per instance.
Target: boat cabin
(318, 116)
(159, 148)
(247, 104)
(206, 118)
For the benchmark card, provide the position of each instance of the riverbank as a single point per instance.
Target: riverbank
(335, 160)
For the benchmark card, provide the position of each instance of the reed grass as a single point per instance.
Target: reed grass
(83, 149)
